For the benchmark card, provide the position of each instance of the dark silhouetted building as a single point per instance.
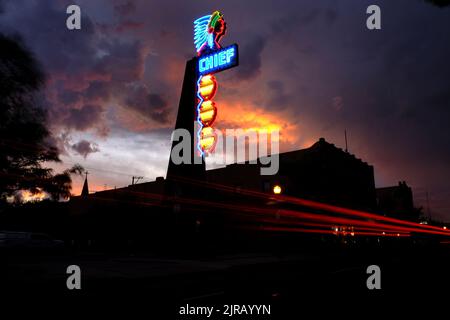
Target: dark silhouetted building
(233, 195)
(321, 172)
(85, 190)
(397, 201)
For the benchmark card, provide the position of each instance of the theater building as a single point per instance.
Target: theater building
(322, 172)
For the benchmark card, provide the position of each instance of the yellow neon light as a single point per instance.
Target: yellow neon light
(208, 87)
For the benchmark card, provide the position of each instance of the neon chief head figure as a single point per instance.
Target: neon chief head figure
(208, 31)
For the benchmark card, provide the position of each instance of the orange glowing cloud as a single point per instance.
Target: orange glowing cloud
(252, 118)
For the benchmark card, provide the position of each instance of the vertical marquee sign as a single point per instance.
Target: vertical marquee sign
(212, 58)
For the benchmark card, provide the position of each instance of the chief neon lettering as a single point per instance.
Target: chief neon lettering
(218, 61)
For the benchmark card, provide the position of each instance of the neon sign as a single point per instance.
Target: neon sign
(212, 58)
(220, 60)
(206, 112)
(207, 32)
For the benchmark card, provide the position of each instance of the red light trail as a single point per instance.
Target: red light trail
(372, 222)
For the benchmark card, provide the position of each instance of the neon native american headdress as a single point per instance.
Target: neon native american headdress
(207, 32)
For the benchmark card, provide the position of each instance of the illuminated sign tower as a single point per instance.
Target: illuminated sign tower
(197, 110)
(212, 58)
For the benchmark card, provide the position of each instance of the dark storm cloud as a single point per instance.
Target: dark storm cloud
(148, 104)
(288, 25)
(68, 97)
(84, 117)
(98, 90)
(250, 58)
(125, 8)
(84, 148)
(84, 67)
(42, 24)
(411, 71)
(123, 62)
(395, 91)
(159, 107)
(330, 16)
(128, 25)
(123, 19)
(278, 98)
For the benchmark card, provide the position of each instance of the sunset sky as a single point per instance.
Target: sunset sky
(311, 68)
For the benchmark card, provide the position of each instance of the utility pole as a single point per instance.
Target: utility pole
(135, 180)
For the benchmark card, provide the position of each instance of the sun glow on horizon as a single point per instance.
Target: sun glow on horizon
(28, 196)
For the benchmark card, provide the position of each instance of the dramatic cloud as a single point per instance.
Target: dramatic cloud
(148, 104)
(84, 148)
(250, 58)
(83, 118)
(88, 71)
(278, 98)
(125, 8)
(159, 108)
(311, 69)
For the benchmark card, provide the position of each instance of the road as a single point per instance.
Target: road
(286, 282)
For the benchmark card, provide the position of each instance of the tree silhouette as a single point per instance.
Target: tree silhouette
(25, 141)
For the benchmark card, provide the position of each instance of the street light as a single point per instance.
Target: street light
(277, 189)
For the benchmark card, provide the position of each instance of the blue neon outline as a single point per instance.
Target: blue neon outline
(199, 147)
(201, 35)
(234, 61)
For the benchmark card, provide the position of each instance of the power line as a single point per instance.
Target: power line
(107, 171)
